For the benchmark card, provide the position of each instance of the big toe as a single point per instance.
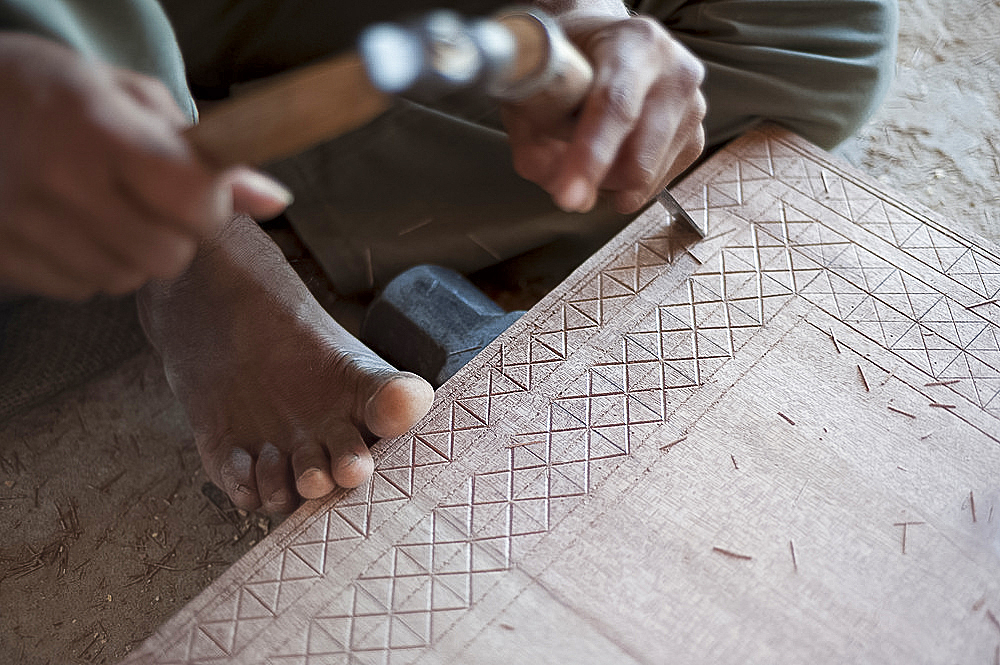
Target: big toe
(398, 404)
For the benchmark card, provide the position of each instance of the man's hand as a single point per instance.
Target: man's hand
(639, 127)
(99, 191)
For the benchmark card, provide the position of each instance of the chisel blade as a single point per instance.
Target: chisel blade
(677, 212)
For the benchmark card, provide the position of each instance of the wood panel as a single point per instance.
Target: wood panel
(777, 444)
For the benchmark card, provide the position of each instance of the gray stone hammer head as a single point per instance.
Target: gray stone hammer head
(431, 321)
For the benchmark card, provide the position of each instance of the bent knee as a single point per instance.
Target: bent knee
(865, 71)
(821, 69)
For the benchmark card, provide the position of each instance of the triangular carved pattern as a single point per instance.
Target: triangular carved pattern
(425, 583)
(595, 421)
(228, 627)
(902, 313)
(422, 586)
(603, 295)
(897, 310)
(929, 330)
(944, 251)
(737, 181)
(513, 370)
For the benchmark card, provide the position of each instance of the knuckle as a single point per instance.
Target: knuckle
(647, 28)
(701, 107)
(154, 87)
(690, 74)
(689, 70)
(694, 70)
(619, 102)
(149, 91)
(183, 255)
(698, 145)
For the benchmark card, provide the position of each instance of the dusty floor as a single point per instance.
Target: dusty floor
(936, 138)
(108, 523)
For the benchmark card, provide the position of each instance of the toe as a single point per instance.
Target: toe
(351, 462)
(275, 484)
(397, 404)
(238, 479)
(311, 467)
(386, 401)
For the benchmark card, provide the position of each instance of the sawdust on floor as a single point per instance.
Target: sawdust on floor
(110, 525)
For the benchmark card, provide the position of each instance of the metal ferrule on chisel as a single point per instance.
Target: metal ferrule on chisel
(516, 56)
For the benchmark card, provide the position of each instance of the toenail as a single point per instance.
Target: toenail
(279, 498)
(348, 460)
(242, 489)
(398, 404)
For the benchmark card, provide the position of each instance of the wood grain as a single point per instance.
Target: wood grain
(693, 451)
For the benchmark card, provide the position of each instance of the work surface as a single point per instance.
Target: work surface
(777, 444)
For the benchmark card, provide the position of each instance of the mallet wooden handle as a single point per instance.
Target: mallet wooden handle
(288, 114)
(280, 117)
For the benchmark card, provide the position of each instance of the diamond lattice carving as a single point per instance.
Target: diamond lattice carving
(533, 429)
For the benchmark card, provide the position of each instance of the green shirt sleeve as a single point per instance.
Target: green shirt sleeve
(132, 34)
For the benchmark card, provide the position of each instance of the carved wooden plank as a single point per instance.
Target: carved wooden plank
(778, 444)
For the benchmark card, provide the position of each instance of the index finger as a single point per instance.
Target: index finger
(609, 115)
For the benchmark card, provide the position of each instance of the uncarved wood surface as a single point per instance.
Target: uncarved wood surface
(777, 444)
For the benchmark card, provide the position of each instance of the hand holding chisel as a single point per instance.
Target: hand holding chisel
(571, 133)
(518, 57)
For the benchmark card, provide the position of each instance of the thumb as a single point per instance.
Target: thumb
(256, 194)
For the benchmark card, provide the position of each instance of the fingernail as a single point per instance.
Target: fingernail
(576, 197)
(268, 187)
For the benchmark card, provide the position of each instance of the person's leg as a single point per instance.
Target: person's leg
(818, 68)
(363, 206)
(420, 186)
(281, 399)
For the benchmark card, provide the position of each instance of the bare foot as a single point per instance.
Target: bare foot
(280, 396)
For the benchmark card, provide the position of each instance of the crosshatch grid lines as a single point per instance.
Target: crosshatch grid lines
(599, 370)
